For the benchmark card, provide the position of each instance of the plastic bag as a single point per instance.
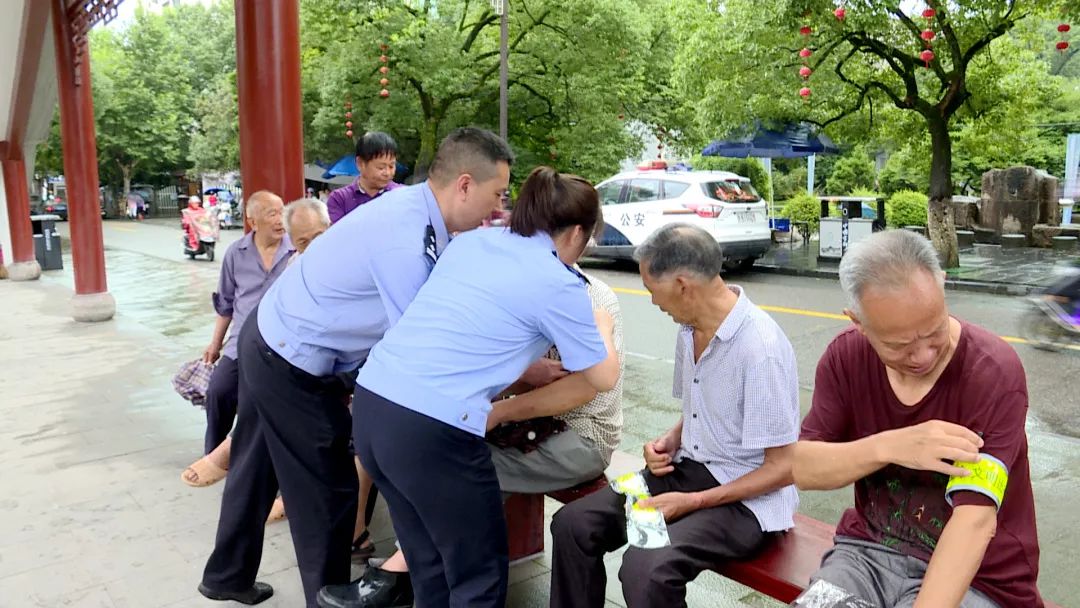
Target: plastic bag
(645, 527)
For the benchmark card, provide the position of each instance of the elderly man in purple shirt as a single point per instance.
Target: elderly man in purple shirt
(376, 158)
(250, 266)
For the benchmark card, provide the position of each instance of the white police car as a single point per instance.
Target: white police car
(637, 203)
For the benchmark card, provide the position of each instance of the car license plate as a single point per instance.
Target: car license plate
(745, 217)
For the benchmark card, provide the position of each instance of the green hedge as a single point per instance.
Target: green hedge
(803, 208)
(906, 208)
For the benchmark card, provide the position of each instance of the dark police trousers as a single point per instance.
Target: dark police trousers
(292, 429)
(444, 499)
(221, 398)
(588, 528)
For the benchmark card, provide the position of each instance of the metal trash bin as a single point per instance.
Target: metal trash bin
(47, 242)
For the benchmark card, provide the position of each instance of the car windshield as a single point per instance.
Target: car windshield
(731, 191)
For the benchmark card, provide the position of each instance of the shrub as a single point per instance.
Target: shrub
(803, 208)
(906, 208)
(852, 172)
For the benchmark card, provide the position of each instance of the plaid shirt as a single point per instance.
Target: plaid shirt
(601, 419)
(192, 381)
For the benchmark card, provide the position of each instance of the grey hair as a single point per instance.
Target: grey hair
(310, 204)
(886, 260)
(254, 202)
(681, 247)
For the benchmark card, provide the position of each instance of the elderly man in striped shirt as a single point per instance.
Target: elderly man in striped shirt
(721, 476)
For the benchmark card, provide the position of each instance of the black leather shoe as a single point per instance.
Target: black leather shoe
(259, 592)
(377, 588)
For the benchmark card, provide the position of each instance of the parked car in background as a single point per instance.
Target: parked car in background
(637, 203)
(56, 206)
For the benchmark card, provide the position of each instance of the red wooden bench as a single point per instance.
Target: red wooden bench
(781, 570)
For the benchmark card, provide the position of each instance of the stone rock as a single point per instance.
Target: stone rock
(1014, 200)
(1042, 235)
(965, 212)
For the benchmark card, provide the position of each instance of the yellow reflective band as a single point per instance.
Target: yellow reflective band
(988, 477)
(631, 484)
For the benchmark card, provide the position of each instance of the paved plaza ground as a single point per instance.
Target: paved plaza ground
(93, 513)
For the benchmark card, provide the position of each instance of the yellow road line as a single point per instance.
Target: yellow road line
(814, 313)
(120, 228)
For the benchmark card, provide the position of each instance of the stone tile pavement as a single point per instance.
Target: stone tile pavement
(92, 512)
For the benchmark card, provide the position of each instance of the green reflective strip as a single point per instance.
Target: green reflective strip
(989, 477)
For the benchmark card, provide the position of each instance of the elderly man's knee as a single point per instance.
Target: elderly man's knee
(643, 569)
(568, 524)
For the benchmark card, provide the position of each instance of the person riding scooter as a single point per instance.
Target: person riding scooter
(200, 229)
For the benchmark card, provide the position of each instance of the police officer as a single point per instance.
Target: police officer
(497, 301)
(310, 332)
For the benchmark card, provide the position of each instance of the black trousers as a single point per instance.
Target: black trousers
(222, 397)
(292, 430)
(588, 528)
(444, 499)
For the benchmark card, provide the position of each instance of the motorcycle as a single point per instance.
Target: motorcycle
(205, 227)
(1053, 321)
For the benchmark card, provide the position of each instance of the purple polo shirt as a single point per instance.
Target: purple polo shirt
(243, 282)
(343, 200)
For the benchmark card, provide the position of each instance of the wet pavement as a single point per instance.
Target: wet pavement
(983, 268)
(95, 437)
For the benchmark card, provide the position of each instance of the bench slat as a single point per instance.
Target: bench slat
(783, 567)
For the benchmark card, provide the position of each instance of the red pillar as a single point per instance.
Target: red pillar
(92, 301)
(268, 87)
(17, 192)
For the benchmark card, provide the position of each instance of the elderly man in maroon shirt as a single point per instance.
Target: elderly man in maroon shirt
(376, 158)
(925, 414)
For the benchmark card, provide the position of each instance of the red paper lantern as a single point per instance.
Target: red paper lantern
(805, 72)
(1064, 28)
(384, 70)
(348, 124)
(348, 133)
(927, 56)
(348, 114)
(384, 82)
(840, 13)
(927, 35)
(929, 13)
(383, 58)
(806, 30)
(1061, 46)
(805, 53)
(383, 48)
(384, 93)
(804, 92)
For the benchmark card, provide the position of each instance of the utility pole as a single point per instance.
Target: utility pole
(502, 10)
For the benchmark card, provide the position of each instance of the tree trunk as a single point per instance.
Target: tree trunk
(429, 135)
(125, 170)
(940, 223)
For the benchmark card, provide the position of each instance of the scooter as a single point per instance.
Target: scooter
(1053, 321)
(207, 232)
(225, 215)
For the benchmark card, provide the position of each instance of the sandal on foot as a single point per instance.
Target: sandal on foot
(203, 472)
(277, 512)
(362, 547)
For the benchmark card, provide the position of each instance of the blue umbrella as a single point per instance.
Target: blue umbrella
(794, 141)
(346, 165)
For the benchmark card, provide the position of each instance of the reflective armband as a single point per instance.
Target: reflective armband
(988, 477)
(645, 526)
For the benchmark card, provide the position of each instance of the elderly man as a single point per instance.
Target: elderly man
(302, 348)
(925, 414)
(376, 160)
(572, 449)
(250, 266)
(721, 476)
(304, 220)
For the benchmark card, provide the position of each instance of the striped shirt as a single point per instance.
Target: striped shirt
(601, 419)
(741, 397)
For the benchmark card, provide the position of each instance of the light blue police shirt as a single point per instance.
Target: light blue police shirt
(495, 303)
(353, 283)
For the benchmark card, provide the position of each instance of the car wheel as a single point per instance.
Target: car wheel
(741, 265)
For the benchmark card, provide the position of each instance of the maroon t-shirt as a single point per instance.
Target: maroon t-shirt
(982, 388)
